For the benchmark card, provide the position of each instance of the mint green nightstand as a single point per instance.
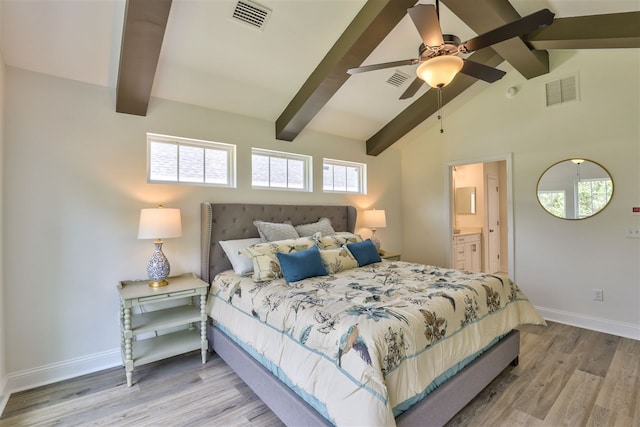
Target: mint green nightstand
(135, 293)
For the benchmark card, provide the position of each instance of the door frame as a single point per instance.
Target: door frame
(508, 158)
(488, 237)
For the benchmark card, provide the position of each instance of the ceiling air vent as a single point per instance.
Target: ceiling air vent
(562, 90)
(397, 79)
(251, 13)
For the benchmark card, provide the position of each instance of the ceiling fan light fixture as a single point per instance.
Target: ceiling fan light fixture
(440, 71)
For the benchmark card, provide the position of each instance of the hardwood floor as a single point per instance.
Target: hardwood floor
(567, 376)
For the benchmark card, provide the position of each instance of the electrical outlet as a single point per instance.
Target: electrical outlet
(597, 295)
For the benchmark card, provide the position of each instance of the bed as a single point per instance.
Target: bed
(343, 349)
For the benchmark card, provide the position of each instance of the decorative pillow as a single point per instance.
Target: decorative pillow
(337, 260)
(301, 265)
(241, 264)
(338, 240)
(364, 252)
(265, 261)
(273, 231)
(323, 226)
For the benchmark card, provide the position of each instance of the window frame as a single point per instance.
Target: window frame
(362, 175)
(178, 141)
(307, 173)
(608, 186)
(562, 193)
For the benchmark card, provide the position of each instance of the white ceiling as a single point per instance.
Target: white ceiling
(209, 59)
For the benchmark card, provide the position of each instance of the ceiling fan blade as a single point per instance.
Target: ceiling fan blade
(413, 88)
(481, 71)
(519, 27)
(373, 67)
(425, 18)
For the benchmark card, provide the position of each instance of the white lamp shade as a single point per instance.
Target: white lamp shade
(440, 71)
(159, 223)
(374, 219)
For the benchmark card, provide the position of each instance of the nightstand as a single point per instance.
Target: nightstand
(136, 293)
(391, 257)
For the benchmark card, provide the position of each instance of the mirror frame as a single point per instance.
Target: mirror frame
(569, 160)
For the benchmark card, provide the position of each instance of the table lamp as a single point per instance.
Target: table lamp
(374, 219)
(159, 223)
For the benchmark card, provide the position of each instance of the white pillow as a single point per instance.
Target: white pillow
(323, 225)
(273, 231)
(241, 264)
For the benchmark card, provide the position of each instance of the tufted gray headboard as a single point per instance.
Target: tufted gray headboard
(229, 221)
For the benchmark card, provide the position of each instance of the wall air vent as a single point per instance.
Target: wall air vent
(562, 90)
(251, 13)
(397, 79)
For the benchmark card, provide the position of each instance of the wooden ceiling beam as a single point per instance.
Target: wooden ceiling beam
(145, 22)
(427, 105)
(610, 31)
(375, 20)
(485, 15)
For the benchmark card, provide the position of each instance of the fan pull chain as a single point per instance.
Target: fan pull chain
(440, 108)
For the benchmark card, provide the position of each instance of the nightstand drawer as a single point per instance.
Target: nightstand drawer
(187, 293)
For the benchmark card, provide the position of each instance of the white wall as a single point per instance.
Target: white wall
(558, 263)
(75, 176)
(4, 395)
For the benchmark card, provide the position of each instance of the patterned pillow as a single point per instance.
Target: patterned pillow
(265, 260)
(337, 240)
(323, 226)
(273, 231)
(337, 260)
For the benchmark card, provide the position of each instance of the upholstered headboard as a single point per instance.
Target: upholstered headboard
(229, 221)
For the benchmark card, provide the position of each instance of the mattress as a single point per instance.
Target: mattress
(365, 344)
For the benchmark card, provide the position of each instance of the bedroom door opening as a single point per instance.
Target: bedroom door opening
(489, 223)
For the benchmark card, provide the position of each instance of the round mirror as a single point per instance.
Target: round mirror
(575, 189)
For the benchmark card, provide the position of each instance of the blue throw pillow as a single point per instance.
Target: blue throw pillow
(364, 252)
(301, 265)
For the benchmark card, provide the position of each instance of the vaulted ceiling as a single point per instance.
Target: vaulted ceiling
(293, 71)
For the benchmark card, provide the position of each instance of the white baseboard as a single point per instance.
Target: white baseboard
(627, 330)
(36, 377)
(4, 394)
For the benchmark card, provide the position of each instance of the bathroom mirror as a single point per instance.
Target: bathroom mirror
(574, 189)
(466, 200)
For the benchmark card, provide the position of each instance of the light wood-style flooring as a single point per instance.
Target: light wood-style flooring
(567, 376)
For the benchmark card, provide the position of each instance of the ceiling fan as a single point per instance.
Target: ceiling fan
(438, 52)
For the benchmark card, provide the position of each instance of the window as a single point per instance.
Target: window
(175, 159)
(275, 169)
(344, 177)
(593, 195)
(553, 202)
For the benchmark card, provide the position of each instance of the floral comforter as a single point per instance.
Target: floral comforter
(363, 345)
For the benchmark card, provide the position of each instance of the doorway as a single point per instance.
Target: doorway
(491, 220)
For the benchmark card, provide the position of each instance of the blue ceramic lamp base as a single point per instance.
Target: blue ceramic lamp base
(158, 267)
